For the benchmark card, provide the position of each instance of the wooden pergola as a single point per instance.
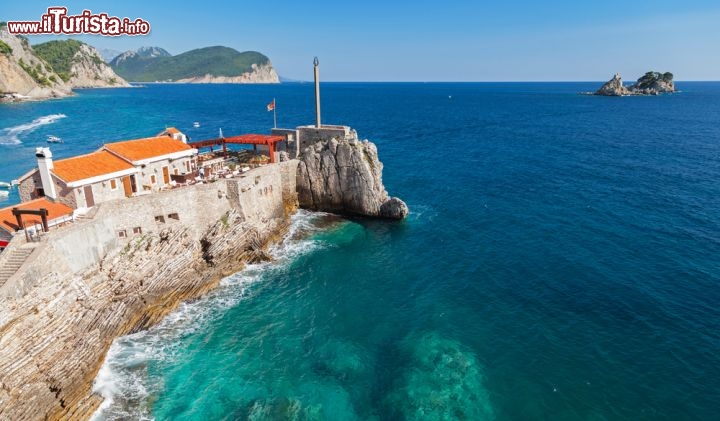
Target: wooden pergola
(245, 139)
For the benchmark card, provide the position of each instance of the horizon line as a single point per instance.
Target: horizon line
(475, 81)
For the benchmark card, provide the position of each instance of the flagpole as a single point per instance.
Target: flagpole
(274, 115)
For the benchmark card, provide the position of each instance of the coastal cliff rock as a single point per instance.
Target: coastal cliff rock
(651, 83)
(263, 73)
(78, 64)
(344, 176)
(56, 329)
(613, 87)
(24, 75)
(69, 324)
(89, 70)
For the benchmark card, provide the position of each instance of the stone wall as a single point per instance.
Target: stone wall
(89, 286)
(65, 195)
(144, 177)
(308, 135)
(291, 145)
(29, 186)
(257, 195)
(102, 192)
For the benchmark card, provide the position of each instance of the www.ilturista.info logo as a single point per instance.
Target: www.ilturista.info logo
(56, 21)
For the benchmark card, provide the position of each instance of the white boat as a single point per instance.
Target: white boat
(54, 139)
(196, 124)
(4, 185)
(4, 193)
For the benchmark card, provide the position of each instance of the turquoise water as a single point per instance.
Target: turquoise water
(560, 260)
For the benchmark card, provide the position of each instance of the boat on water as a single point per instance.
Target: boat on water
(4, 193)
(4, 185)
(196, 124)
(54, 139)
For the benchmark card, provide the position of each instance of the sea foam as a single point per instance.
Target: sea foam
(123, 379)
(11, 135)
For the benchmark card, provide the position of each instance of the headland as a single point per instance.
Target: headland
(121, 265)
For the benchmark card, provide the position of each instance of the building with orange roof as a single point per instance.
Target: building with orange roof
(117, 170)
(57, 212)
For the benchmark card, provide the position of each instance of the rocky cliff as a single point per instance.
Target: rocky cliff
(78, 64)
(613, 87)
(55, 332)
(51, 69)
(651, 83)
(263, 73)
(344, 175)
(24, 75)
(89, 70)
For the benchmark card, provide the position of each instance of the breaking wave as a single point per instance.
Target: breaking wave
(123, 380)
(11, 135)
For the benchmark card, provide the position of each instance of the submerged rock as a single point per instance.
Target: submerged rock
(344, 176)
(443, 381)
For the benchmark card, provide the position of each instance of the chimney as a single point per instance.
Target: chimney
(45, 164)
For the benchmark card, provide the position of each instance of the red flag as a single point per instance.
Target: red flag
(271, 106)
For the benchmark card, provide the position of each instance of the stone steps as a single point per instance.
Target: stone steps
(12, 264)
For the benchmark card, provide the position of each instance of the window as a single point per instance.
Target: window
(160, 219)
(137, 230)
(176, 171)
(174, 216)
(122, 234)
(113, 184)
(187, 166)
(153, 180)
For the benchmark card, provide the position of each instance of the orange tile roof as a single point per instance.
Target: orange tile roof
(139, 149)
(90, 165)
(55, 210)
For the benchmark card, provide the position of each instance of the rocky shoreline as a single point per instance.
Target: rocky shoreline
(26, 76)
(344, 176)
(82, 287)
(651, 83)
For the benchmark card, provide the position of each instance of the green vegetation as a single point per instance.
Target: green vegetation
(5, 49)
(650, 78)
(35, 72)
(59, 55)
(217, 61)
(3, 25)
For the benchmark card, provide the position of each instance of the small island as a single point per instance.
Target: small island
(651, 83)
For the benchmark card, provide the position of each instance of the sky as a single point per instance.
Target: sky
(448, 40)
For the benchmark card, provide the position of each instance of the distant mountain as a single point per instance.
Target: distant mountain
(133, 57)
(78, 64)
(204, 65)
(108, 54)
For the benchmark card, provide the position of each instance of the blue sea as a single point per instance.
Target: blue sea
(561, 260)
